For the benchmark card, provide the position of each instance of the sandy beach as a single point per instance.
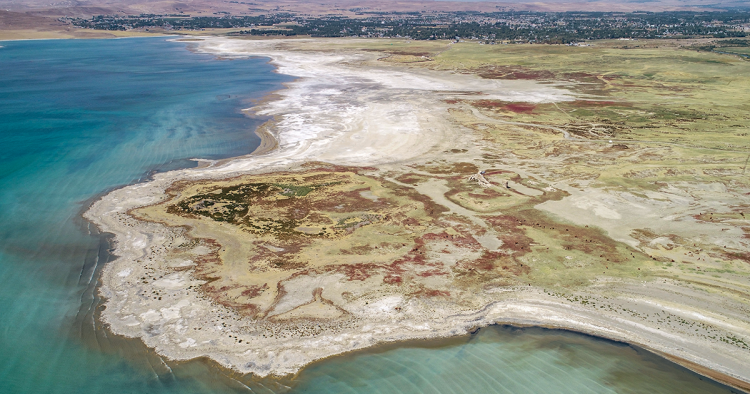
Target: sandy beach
(346, 108)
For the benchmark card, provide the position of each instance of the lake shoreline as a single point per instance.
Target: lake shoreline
(277, 151)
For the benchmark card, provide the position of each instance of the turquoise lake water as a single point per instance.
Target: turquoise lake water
(79, 117)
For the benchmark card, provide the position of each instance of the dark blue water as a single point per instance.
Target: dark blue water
(78, 118)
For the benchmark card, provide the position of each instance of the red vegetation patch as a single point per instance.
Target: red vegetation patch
(432, 208)
(351, 201)
(455, 168)
(463, 240)
(584, 239)
(206, 265)
(495, 261)
(249, 309)
(411, 178)
(488, 104)
(359, 271)
(395, 270)
(409, 222)
(495, 172)
(486, 262)
(416, 258)
(487, 194)
(254, 291)
(520, 108)
(431, 293)
(220, 296)
(517, 242)
(427, 274)
(222, 289)
(360, 250)
(513, 237)
(393, 279)
(743, 256)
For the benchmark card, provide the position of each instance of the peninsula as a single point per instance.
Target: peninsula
(422, 189)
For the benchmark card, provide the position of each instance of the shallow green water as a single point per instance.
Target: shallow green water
(80, 117)
(503, 359)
